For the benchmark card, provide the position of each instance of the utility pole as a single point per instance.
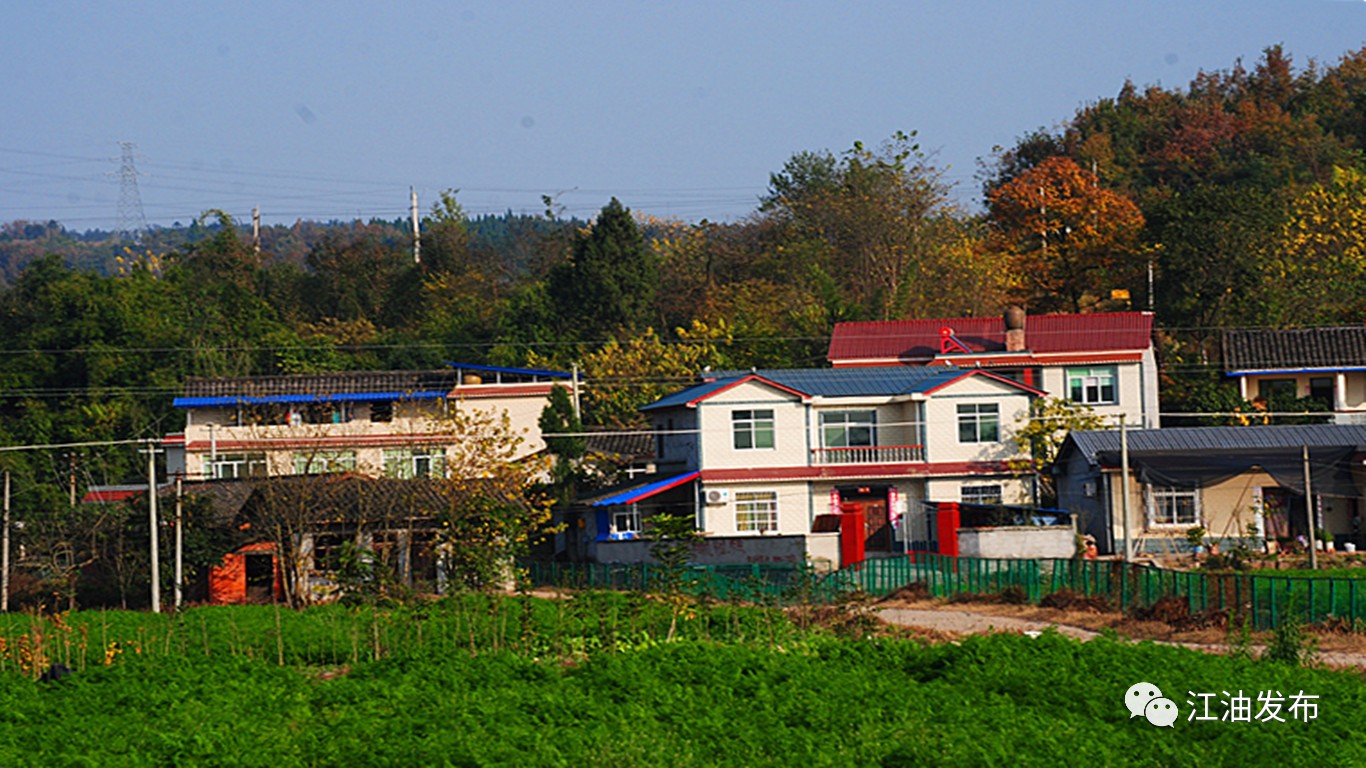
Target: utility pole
(152, 519)
(417, 231)
(577, 413)
(256, 231)
(1309, 510)
(1124, 486)
(179, 544)
(4, 553)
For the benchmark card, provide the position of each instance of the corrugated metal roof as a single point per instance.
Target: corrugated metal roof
(1203, 439)
(919, 340)
(645, 490)
(1330, 348)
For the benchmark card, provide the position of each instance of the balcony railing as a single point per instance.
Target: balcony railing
(868, 454)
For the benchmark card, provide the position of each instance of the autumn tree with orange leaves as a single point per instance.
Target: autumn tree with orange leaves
(1071, 241)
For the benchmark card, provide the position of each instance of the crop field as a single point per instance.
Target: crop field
(596, 679)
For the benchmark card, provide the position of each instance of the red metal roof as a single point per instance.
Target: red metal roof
(918, 341)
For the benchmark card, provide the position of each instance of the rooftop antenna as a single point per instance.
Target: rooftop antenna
(132, 221)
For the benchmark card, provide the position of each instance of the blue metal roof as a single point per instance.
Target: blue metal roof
(876, 381)
(641, 492)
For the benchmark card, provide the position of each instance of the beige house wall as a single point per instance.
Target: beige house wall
(789, 428)
(418, 423)
(1135, 390)
(941, 419)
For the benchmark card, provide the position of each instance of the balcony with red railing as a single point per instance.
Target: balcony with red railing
(869, 454)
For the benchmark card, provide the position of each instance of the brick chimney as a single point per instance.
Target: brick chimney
(1014, 317)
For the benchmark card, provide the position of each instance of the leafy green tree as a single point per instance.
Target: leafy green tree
(870, 220)
(607, 288)
(1042, 435)
(562, 431)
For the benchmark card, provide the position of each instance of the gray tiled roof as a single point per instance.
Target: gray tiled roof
(340, 383)
(628, 445)
(1324, 348)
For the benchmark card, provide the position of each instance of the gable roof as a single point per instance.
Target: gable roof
(910, 341)
(878, 381)
(1304, 349)
(1098, 444)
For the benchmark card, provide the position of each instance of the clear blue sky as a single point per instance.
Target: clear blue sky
(328, 110)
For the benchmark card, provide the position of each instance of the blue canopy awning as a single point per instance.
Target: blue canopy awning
(646, 490)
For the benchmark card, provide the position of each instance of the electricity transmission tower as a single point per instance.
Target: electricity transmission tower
(132, 221)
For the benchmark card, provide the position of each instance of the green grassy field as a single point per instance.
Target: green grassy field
(593, 681)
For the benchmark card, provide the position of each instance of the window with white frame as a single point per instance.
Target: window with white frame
(756, 511)
(626, 522)
(230, 466)
(752, 429)
(980, 494)
(407, 463)
(979, 423)
(848, 429)
(1092, 386)
(322, 462)
(1179, 507)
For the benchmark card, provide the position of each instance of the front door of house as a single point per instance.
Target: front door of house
(872, 502)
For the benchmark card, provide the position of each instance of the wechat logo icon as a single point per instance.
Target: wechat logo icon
(1145, 699)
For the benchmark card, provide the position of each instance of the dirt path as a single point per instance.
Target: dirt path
(978, 619)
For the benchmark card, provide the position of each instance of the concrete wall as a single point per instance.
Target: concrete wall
(819, 548)
(1018, 542)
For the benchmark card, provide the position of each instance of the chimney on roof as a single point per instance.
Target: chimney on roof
(1014, 317)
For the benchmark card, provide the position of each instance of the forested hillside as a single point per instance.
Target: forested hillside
(1239, 198)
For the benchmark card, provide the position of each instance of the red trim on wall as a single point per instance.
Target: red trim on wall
(855, 471)
(752, 377)
(989, 375)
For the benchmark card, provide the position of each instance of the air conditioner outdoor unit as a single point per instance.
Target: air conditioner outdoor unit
(715, 496)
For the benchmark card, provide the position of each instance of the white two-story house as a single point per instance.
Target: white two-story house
(374, 423)
(771, 453)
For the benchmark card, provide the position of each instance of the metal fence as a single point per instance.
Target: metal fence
(1264, 601)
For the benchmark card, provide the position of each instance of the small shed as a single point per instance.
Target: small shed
(250, 574)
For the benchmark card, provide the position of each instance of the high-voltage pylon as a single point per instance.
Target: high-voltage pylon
(132, 221)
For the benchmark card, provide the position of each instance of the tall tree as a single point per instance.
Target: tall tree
(1071, 240)
(607, 288)
(1322, 264)
(869, 220)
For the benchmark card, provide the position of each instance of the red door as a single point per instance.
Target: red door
(877, 526)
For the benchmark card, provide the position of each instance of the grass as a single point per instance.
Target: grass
(484, 680)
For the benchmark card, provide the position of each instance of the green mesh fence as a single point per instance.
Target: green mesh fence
(1261, 600)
